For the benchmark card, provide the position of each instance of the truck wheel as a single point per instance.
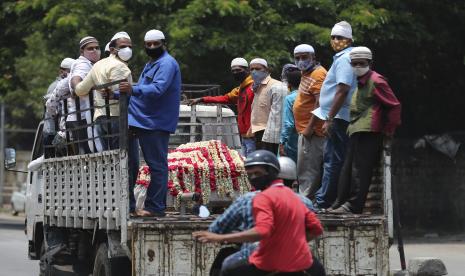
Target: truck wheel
(45, 269)
(103, 266)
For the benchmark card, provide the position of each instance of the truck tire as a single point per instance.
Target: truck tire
(45, 269)
(103, 266)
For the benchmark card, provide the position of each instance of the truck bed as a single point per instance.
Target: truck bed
(350, 245)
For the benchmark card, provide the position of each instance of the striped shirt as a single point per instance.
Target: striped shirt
(305, 102)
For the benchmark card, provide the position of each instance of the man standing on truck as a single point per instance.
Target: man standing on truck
(311, 138)
(280, 219)
(153, 114)
(50, 117)
(90, 54)
(336, 92)
(374, 114)
(243, 97)
(112, 68)
(266, 107)
(288, 141)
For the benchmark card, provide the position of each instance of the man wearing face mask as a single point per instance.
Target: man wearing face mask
(153, 115)
(279, 222)
(309, 127)
(335, 95)
(267, 106)
(288, 142)
(112, 68)
(50, 116)
(90, 54)
(239, 217)
(243, 97)
(374, 114)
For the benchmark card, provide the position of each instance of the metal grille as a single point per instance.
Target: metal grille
(82, 192)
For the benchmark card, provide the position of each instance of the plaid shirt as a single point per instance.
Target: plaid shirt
(239, 217)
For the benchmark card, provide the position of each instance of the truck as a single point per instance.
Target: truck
(77, 211)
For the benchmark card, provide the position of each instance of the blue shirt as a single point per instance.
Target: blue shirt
(239, 217)
(340, 72)
(154, 103)
(289, 136)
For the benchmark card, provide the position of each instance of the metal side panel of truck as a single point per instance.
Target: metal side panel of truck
(89, 193)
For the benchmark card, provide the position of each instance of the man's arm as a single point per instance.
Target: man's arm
(160, 83)
(229, 98)
(60, 92)
(386, 97)
(313, 224)
(319, 77)
(83, 87)
(342, 90)
(230, 219)
(308, 131)
(78, 73)
(250, 235)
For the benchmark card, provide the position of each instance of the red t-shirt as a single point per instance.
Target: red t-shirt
(281, 220)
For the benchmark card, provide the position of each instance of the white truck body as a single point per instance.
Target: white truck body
(90, 193)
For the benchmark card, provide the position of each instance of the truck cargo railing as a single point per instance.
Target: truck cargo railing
(88, 190)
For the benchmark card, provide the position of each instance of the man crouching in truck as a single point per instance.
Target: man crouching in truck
(281, 220)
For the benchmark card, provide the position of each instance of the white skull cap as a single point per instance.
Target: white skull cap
(304, 48)
(239, 62)
(259, 61)
(361, 52)
(154, 35)
(66, 63)
(120, 35)
(343, 29)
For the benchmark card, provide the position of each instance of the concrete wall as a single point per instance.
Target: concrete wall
(431, 188)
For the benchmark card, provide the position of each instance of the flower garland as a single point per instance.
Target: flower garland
(203, 167)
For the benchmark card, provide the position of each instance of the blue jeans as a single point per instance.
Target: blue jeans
(232, 262)
(333, 158)
(248, 146)
(154, 146)
(101, 126)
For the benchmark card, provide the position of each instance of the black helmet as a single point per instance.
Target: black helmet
(262, 157)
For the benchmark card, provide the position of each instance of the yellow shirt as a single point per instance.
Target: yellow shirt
(105, 70)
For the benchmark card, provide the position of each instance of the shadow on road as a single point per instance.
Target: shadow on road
(11, 224)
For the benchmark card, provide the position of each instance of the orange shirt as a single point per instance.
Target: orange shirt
(305, 102)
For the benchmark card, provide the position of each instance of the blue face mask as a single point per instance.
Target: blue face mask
(258, 76)
(305, 65)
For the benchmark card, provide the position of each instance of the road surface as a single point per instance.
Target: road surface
(13, 248)
(14, 261)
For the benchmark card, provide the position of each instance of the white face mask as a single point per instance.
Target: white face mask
(125, 53)
(360, 71)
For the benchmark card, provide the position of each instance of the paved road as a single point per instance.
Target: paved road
(13, 249)
(14, 261)
(451, 250)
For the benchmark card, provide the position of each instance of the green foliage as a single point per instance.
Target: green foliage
(417, 44)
